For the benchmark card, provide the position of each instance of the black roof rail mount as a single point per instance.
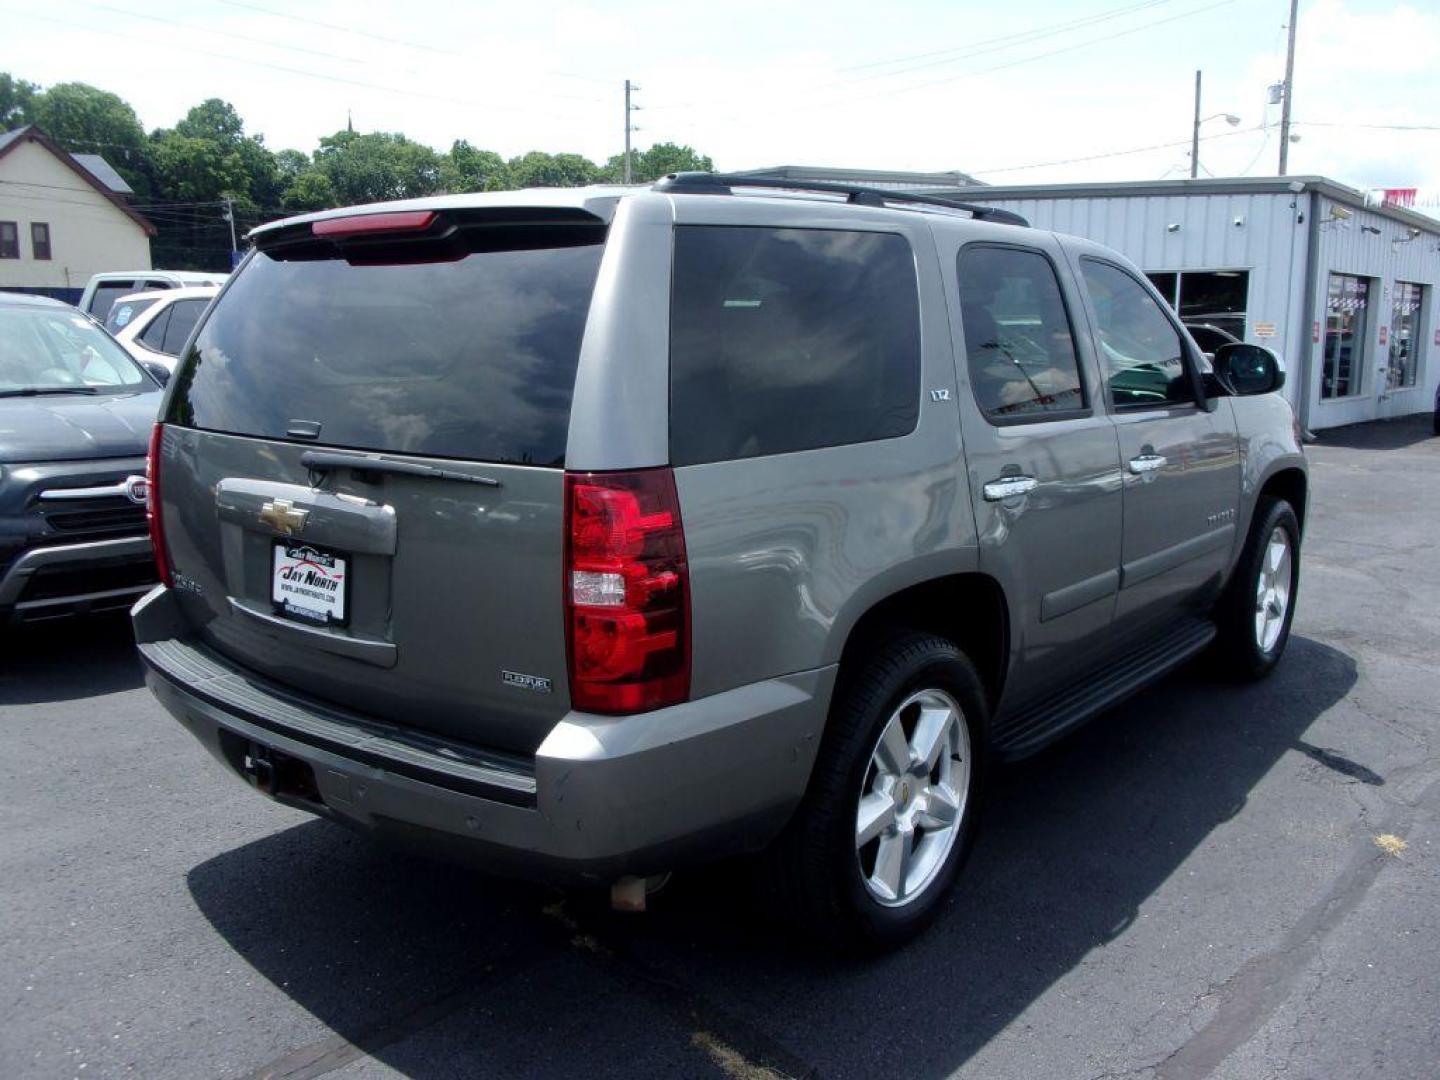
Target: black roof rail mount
(705, 183)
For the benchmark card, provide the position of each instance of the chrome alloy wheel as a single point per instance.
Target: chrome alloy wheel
(1272, 589)
(913, 798)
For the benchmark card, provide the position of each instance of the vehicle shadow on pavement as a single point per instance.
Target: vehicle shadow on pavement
(435, 970)
(1381, 434)
(68, 659)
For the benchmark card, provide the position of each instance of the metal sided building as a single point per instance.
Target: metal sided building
(1343, 290)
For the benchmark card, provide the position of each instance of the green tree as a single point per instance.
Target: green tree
(85, 120)
(16, 99)
(473, 169)
(215, 120)
(660, 160)
(539, 169)
(289, 164)
(187, 169)
(379, 165)
(310, 190)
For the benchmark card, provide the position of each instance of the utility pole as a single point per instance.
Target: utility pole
(1288, 91)
(1195, 137)
(629, 127)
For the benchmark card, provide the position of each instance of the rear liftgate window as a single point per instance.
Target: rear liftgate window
(462, 346)
(790, 339)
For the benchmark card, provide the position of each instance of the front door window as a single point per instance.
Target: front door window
(1142, 352)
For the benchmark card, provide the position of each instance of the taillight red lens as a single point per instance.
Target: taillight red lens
(626, 591)
(152, 506)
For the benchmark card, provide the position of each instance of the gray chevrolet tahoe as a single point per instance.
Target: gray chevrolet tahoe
(595, 532)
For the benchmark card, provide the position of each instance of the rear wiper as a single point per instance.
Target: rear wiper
(319, 462)
(36, 391)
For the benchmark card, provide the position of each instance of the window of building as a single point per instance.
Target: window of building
(1213, 300)
(1347, 304)
(1018, 342)
(1142, 352)
(40, 239)
(1167, 283)
(790, 339)
(9, 240)
(1406, 339)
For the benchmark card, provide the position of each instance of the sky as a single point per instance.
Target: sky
(1041, 91)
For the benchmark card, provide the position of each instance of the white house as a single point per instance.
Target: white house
(63, 217)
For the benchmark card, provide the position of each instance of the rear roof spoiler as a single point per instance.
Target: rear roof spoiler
(704, 183)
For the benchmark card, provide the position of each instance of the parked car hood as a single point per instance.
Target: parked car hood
(65, 427)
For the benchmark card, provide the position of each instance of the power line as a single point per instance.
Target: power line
(1116, 153)
(268, 43)
(66, 187)
(109, 33)
(409, 44)
(1113, 12)
(1372, 127)
(913, 87)
(999, 44)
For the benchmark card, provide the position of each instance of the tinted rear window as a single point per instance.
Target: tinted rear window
(470, 358)
(790, 339)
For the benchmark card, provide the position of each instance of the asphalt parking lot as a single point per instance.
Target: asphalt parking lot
(1212, 880)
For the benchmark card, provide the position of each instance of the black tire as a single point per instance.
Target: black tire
(814, 869)
(1239, 650)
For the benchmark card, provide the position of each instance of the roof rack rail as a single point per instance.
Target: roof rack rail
(705, 183)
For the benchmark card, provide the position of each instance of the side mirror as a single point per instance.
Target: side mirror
(157, 370)
(1244, 369)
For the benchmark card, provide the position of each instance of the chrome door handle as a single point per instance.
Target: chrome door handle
(1008, 486)
(1147, 463)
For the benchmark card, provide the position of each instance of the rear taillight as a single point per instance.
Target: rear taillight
(152, 506)
(626, 591)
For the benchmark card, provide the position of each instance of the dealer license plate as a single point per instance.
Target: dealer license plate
(310, 584)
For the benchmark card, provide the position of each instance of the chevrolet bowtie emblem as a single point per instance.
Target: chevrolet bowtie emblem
(281, 515)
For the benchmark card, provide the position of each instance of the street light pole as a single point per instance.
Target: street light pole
(1195, 137)
(1289, 87)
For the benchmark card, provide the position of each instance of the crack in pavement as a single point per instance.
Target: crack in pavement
(1252, 995)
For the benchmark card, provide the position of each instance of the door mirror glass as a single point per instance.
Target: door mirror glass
(1244, 369)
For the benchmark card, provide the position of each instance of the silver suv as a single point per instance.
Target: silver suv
(596, 532)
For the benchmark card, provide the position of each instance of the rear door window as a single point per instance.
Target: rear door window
(472, 356)
(1018, 341)
(122, 314)
(790, 339)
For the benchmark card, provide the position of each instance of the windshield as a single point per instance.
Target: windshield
(57, 350)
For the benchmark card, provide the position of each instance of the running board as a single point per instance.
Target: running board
(1021, 734)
